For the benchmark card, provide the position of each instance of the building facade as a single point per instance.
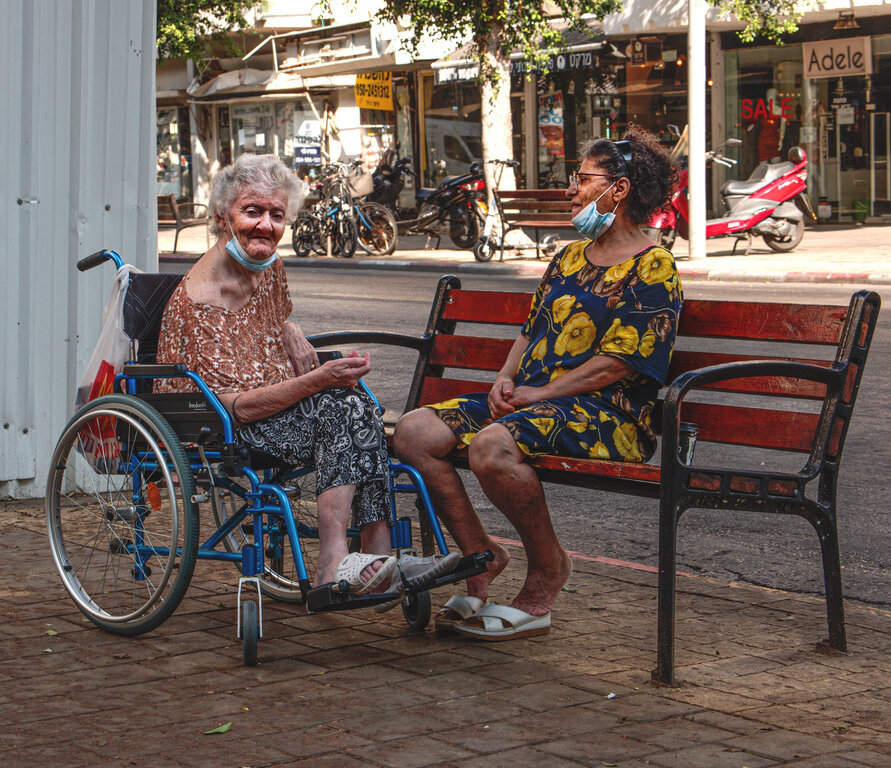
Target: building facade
(825, 89)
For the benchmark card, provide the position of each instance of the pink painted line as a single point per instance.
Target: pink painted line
(595, 558)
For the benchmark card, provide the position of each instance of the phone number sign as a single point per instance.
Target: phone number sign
(374, 90)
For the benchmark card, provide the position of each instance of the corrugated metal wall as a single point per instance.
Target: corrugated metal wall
(77, 80)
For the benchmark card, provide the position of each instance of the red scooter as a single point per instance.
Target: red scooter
(771, 203)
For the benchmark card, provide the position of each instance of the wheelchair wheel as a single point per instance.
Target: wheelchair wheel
(416, 610)
(280, 580)
(121, 523)
(250, 632)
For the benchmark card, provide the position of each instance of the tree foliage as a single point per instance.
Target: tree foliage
(188, 28)
(524, 23)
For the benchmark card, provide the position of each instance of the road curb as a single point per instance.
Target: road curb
(536, 269)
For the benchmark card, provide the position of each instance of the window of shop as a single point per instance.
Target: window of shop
(842, 123)
(253, 128)
(174, 153)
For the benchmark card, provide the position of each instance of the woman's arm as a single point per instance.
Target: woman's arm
(600, 371)
(261, 402)
(301, 353)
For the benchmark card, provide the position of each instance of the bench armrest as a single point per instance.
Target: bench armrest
(833, 377)
(418, 343)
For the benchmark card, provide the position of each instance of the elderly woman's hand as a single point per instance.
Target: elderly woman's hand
(300, 352)
(523, 396)
(499, 395)
(344, 372)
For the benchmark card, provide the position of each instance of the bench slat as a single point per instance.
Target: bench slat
(619, 469)
(531, 194)
(473, 352)
(753, 427)
(767, 322)
(502, 307)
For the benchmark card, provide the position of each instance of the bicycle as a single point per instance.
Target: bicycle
(328, 222)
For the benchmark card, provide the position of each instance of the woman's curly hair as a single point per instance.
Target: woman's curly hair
(652, 172)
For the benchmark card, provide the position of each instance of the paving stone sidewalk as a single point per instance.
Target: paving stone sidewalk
(361, 689)
(859, 255)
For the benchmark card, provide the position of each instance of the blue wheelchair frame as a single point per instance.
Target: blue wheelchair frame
(266, 503)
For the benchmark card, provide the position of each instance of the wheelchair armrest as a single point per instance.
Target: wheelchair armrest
(157, 370)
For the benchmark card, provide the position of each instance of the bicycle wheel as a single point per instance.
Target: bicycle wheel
(280, 580)
(122, 528)
(303, 233)
(345, 236)
(376, 230)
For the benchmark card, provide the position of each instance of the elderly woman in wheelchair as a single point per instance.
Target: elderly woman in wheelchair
(245, 415)
(227, 321)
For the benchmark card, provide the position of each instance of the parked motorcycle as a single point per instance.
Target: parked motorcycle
(771, 203)
(456, 207)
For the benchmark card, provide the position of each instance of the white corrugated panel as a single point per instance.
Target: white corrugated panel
(77, 80)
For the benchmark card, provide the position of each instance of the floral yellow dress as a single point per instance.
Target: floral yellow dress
(629, 311)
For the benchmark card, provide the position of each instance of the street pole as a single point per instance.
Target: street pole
(696, 117)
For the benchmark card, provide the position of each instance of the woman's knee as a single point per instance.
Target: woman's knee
(493, 450)
(420, 433)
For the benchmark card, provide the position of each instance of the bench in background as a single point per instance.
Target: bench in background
(172, 213)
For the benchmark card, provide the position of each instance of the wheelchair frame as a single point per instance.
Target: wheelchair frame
(154, 457)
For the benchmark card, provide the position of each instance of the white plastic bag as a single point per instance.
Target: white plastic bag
(98, 441)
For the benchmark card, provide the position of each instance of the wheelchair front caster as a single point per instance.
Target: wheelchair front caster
(416, 610)
(250, 626)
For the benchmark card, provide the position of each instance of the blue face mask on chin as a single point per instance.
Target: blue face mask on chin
(234, 249)
(589, 221)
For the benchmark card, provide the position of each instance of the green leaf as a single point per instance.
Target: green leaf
(52, 632)
(222, 729)
(596, 608)
(568, 589)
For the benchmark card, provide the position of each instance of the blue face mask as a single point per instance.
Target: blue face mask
(234, 249)
(589, 221)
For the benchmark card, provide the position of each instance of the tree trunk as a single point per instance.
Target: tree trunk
(497, 130)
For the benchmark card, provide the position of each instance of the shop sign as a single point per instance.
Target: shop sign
(374, 90)
(837, 58)
(460, 73)
(568, 61)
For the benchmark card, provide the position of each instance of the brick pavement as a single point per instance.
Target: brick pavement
(361, 689)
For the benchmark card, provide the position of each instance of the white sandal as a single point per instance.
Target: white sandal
(456, 609)
(351, 567)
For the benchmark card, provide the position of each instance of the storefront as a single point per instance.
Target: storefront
(173, 159)
(829, 91)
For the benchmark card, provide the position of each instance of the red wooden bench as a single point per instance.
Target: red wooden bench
(758, 392)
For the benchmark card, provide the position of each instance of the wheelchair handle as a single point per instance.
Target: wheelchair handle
(95, 259)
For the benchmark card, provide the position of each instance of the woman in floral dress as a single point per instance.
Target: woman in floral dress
(581, 380)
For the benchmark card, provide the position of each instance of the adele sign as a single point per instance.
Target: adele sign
(837, 58)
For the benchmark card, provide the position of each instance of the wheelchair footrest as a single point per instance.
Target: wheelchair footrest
(467, 567)
(337, 596)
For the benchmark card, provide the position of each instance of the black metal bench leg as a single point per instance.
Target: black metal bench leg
(668, 524)
(175, 239)
(827, 531)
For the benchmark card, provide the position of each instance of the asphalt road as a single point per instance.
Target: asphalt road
(780, 552)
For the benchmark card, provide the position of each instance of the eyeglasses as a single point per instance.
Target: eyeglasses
(575, 177)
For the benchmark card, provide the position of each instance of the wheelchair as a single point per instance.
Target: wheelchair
(132, 469)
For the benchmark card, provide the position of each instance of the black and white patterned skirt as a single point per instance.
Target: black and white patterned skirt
(340, 433)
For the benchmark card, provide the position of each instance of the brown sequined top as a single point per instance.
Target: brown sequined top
(232, 351)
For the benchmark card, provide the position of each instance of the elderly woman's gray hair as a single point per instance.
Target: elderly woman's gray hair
(262, 174)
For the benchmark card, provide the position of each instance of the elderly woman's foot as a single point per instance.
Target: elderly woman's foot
(478, 586)
(540, 590)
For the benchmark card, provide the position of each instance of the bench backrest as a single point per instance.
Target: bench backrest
(549, 205)
(465, 353)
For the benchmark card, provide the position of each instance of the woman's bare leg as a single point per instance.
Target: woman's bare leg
(514, 488)
(423, 440)
(334, 507)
